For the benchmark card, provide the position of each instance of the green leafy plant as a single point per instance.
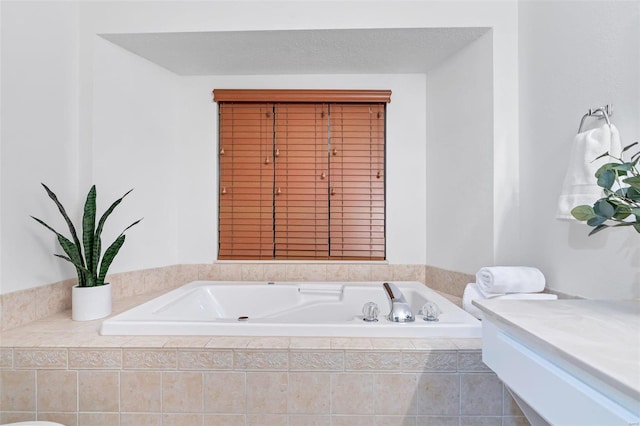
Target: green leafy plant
(91, 266)
(620, 206)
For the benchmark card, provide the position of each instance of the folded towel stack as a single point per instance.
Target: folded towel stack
(505, 282)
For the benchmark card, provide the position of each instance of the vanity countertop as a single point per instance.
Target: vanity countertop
(600, 337)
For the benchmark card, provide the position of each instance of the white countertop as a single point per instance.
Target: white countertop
(601, 337)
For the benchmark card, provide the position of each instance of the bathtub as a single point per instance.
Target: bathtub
(288, 309)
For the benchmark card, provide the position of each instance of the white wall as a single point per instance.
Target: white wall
(39, 137)
(91, 120)
(406, 188)
(574, 56)
(135, 145)
(459, 168)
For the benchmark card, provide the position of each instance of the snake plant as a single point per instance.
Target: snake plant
(91, 266)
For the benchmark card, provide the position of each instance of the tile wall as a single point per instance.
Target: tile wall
(252, 386)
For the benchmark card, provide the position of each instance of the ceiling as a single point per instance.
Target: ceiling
(335, 51)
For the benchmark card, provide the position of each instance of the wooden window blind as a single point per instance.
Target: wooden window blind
(301, 180)
(246, 181)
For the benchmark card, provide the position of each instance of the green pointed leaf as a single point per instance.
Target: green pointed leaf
(72, 229)
(597, 229)
(103, 219)
(606, 154)
(583, 213)
(88, 229)
(635, 212)
(108, 257)
(626, 148)
(622, 211)
(633, 193)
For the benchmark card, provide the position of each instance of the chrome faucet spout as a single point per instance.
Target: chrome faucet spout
(400, 309)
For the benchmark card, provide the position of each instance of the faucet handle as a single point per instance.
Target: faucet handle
(430, 311)
(370, 312)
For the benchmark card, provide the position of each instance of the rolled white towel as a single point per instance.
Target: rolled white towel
(472, 292)
(509, 279)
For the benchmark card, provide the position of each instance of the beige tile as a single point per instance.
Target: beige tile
(381, 273)
(430, 361)
(309, 420)
(395, 421)
(182, 419)
(269, 342)
(18, 308)
(52, 298)
(140, 391)
(350, 343)
(252, 272)
(99, 391)
(515, 421)
(352, 393)
(98, 419)
(468, 344)
(224, 420)
(337, 272)
(182, 392)
(310, 343)
(480, 421)
(392, 344)
(438, 394)
(160, 359)
(187, 341)
(359, 272)
(205, 360)
(57, 390)
(67, 419)
(275, 272)
(471, 361)
(145, 343)
(480, 394)
(267, 392)
(40, 358)
(372, 361)
(185, 274)
(6, 357)
(224, 392)
(509, 406)
(306, 272)
(142, 419)
(18, 390)
(228, 342)
(316, 360)
(309, 393)
(15, 417)
(434, 344)
(437, 421)
(267, 420)
(338, 420)
(408, 273)
(103, 359)
(403, 387)
(261, 360)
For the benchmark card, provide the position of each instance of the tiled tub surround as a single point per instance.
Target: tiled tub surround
(60, 370)
(23, 307)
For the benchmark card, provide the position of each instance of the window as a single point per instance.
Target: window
(301, 174)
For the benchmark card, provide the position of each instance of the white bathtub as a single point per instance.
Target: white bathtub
(288, 309)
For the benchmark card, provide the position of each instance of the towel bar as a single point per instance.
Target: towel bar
(600, 112)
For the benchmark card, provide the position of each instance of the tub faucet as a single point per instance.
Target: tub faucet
(400, 310)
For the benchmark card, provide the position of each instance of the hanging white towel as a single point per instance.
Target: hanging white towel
(471, 293)
(579, 185)
(509, 279)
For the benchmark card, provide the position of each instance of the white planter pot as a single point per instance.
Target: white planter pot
(89, 303)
